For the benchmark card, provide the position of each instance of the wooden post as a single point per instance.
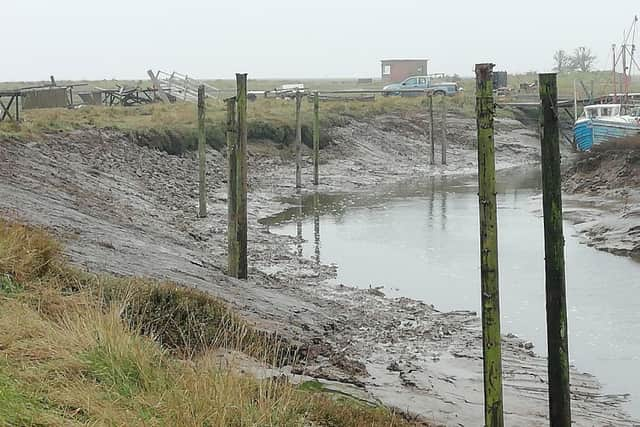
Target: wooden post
(557, 341)
(491, 351)
(202, 154)
(443, 147)
(298, 140)
(316, 137)
(433, 146)
(241, 164)
(232, 187)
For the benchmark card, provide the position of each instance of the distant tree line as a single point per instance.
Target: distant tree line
(581, 60)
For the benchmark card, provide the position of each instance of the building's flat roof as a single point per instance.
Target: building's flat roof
(402, 60)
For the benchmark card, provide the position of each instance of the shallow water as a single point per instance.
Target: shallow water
(421, 240)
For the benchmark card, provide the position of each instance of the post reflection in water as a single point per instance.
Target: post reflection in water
(443, 211)
(316, 225)
(432, 197)
(299, 218)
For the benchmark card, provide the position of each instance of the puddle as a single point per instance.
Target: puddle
(421, 240)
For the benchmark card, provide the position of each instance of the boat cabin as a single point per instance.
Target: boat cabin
(602, 110)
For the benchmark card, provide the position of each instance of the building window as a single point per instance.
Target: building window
(420, 71)
(386, 70)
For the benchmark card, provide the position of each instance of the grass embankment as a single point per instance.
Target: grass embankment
(172, 127)
(79, 349)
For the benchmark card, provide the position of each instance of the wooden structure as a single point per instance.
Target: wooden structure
(45, 97)
(556, 294)
(125, 97)
(490, 296)
(236, 136)
(10, 105)
(202, 155)
(179, 87)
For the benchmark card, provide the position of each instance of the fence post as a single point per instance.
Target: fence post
(491, 350)
(298, 140)
(557, 340)
(202, 155)
(444, 131)
(232, 187)
(433, 146)
(241, 165)
(316, 137)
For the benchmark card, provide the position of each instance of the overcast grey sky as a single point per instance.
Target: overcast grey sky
(76, 39)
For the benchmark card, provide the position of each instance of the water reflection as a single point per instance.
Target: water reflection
(316, 226)
(299, 217)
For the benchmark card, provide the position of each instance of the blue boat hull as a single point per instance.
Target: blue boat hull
(588, 133)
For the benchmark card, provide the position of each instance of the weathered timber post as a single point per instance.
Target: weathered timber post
(491, 351)
(431, 132)
(232, 187)
(316, 136)
(298, 140)
(202, 155)
(241, 165)
(557, 340)
(443, 147)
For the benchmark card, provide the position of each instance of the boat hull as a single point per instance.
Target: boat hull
(592, 132)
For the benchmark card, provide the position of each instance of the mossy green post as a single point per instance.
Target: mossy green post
(241, 164)
(298, 140)
(557, 341)
(232, 184)
(316, 137)
(491, 350)
(202, 154)
(431, 132)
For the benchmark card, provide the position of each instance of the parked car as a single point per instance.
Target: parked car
(415, 84)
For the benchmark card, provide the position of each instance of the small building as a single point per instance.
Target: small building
(396, 70)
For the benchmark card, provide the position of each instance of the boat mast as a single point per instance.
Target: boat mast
(615, 89)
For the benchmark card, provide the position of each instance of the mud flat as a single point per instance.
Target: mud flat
(129, 210)
(604, 197)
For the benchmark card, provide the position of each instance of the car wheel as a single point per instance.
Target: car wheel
(439, 93)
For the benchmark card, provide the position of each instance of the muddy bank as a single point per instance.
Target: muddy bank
(603, 189)
(130, 210)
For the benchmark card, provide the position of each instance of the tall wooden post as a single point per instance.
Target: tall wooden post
(491, 351)
(298, 140)
(443, 147)
(557, 341)
(316, 137)
(241, 165)
(202, 155)
(232, 187)
(431, 132)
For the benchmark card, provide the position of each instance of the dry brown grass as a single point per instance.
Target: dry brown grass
(77, 349)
